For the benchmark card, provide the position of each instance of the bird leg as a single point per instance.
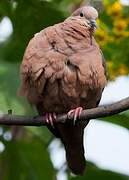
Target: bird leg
(49, 118)
(77, 112)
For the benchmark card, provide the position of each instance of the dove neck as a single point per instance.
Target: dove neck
(78, 30)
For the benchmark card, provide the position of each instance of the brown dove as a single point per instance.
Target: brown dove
(63, 71)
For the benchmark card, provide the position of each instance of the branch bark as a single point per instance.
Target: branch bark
(102, 111)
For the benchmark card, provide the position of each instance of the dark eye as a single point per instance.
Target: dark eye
(81, 14)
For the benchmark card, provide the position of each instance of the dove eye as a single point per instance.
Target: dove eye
(81, 14)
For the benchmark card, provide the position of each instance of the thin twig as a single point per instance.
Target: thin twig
(102, 111)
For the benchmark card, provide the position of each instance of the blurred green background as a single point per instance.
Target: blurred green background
(26, 155)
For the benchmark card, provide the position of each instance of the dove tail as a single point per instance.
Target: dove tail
(75, 158)
(72, 138)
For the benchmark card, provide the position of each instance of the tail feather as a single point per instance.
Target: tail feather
(72, 138)
(76, 160)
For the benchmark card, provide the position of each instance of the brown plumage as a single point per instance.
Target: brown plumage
(63, 69)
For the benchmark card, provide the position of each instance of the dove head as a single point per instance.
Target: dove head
(87, 15)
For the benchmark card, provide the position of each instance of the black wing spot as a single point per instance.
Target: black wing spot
(53, 44)
(104, 63)
(80, 33)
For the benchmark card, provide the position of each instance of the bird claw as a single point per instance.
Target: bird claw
(49, 118)
(77, 112)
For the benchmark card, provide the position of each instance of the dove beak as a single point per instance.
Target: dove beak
(93, 23)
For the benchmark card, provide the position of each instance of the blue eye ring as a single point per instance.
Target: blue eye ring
(81, 14)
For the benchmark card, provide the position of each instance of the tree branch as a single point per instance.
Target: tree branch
(102, 111)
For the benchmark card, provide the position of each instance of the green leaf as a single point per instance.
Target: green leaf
(9, 84)
(121, 119)
(41, 132)
(26, 161)
(95, 173)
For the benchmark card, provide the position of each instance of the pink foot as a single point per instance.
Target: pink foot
(49, 118)
(77, 112)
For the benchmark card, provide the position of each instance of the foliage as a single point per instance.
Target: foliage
(27, 156)
(28, 164)
(113, 37)
(93, 172)
(27, 17)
